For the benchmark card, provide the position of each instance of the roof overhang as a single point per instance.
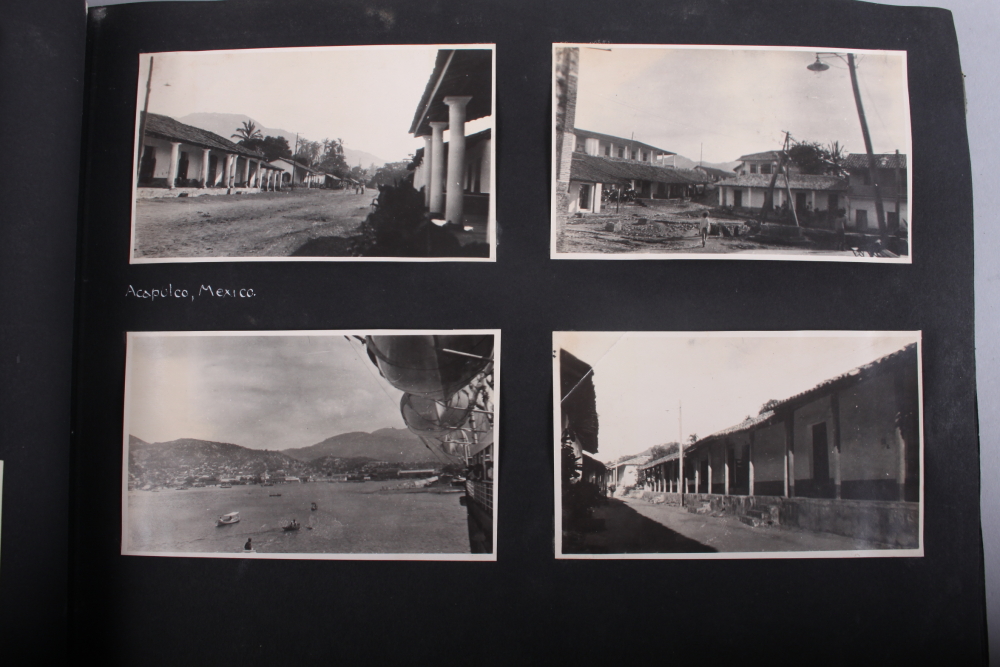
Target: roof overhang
(457, 72)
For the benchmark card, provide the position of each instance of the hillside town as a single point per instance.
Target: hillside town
(211, 185)
(806, 195)
(198, 463)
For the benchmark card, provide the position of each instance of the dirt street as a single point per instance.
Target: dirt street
(267, 224)
(671, 226)
(728, 534)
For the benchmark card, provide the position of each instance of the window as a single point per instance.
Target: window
(765, 168)
(633, 155)
(607, 150)
(644, 156)
(621, 152)
(753, 167)
(861, 218)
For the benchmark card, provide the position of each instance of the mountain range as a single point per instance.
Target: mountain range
(161, 462)
(225, 124)
(385, 444)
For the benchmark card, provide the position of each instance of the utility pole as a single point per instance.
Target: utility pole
(142, 120)
(681, 483)
(879, 211)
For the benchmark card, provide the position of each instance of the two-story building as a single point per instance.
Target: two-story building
(891, 175)
(606, 145)
(602, 161)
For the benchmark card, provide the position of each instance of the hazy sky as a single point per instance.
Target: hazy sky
(365, 96)
(734, 102)
(262, 392)
(719, 379)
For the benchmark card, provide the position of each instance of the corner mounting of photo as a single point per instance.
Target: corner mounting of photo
(768, 153)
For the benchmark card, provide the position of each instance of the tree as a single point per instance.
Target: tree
(271, 147)
(248, 132)
(837, 156)
(810, 157)
(333, 160)
(390, 173)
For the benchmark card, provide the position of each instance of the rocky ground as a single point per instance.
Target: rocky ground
(663, 227)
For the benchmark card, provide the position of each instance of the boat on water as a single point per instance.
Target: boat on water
(290, 525)
(313, 507)
(226, 519)
(225, 486)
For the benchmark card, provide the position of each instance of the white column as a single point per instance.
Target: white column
(437, 167)
(246, 172)
(175, 150)
(204, 166)
(708, 485)
(428, 161)
(230, 168)
(256, 174)
(456, 157)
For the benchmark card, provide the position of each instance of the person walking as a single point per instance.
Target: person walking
(704, 228)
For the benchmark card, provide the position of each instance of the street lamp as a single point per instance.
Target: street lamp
(820, 66)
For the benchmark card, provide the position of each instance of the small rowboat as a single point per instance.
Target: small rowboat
(226, 519)
(290, 525)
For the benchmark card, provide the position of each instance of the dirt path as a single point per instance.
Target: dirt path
(728, 534)
(270, 224)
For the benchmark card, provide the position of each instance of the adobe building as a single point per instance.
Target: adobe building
(843, 457)
(181, 159)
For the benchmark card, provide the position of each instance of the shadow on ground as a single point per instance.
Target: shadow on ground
(625, 531)
(327, 246)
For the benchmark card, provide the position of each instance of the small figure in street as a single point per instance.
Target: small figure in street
(838, 226)
(704, 228)
(248, 546)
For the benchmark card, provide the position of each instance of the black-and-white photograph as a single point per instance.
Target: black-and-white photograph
(730, 152)
(801, 444)
(311, 445)
(331, 153)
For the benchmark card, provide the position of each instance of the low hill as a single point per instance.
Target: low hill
(225, 124)
(397, 445)
(687, 163)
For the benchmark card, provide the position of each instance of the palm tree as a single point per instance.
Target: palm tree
(837, 155)
(247, 132)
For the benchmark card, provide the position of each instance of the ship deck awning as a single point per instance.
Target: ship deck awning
(457, 72)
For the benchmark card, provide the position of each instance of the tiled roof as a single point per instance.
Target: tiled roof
(166, 127)
(851, 376)
(766, 155)
(882, 161)
(608, 170)
(795, 181)
(617, 141)
(634, 461)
